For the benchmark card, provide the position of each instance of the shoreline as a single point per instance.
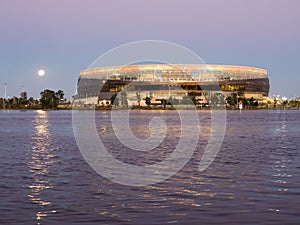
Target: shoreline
(151, 109)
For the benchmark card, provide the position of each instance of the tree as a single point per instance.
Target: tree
(232, 99)
(124, 100)
(214, 99)
(241, 93)
(60, 95)
(23, 99)
(171, 101)
(251, 101)
(14, 103)
(148, 101)
(221, 99)
(114, 100)
(32, 102)
(49, 99)
(164, 102)
(275, 102)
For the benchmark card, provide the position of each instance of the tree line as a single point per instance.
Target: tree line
(49, 99)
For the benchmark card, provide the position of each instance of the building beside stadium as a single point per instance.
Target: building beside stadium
(136, 84)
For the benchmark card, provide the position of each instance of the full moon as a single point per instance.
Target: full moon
(41, 73)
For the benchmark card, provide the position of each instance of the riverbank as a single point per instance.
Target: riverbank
(145, 108)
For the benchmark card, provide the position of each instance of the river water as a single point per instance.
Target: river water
(255, 178)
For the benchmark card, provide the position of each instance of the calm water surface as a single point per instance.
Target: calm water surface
(255, 179)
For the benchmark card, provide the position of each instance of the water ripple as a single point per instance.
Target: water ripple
(253, 180)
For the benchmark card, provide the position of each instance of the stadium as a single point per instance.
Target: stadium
(133, 84)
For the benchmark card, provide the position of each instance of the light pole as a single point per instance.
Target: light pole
(5, 84)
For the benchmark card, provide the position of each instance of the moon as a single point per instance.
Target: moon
(41, 72)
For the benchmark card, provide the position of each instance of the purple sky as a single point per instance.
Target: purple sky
(65, 36)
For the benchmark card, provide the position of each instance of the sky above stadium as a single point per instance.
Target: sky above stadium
(65, 36)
